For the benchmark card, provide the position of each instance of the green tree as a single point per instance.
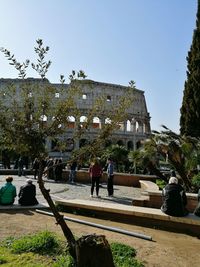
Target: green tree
(190, 110)
(119, 154)
(180, 151)
(29, 115)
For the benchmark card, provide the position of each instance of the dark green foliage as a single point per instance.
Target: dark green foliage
(196, 181)
(2, 260)
(124, 256)
(47, 244)
(160, 183)
(190, 110)
(42, 243)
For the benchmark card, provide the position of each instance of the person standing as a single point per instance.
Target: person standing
(20, 166)
(197, 209)
(110, 173)
(58, 169)
(174, 199)
(27, 194)
(72, 173)
(8, 192)
(95, 172)
(36, 167)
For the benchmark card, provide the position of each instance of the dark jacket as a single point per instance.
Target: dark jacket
(174, 200)
(27, 195)
(95, 170)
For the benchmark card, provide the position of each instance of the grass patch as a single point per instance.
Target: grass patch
(42, 243)
(45, 249)
(124, 256)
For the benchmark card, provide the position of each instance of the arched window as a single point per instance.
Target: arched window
(71, 122)
(130, 145)
(83, 142)
(43, 118)
(69, 144)
(120, 143)
(108, 121)
(128, 126)
(108, 98)
(96, 123)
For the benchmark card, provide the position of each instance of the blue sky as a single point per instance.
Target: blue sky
(113, 41)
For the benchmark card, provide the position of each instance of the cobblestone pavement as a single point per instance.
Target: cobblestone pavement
(66, 190)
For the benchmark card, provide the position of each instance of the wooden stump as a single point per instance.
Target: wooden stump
(93, 251)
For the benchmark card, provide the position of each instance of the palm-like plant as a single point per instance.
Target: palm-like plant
(180, 151)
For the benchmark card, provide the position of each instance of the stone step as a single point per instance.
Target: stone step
(149, 217)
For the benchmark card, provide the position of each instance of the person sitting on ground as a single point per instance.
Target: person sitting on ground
(197, 209)
(174, 199)
(8, 192)
(27, 194)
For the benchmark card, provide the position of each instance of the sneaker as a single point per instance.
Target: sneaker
(98, 196)
(91, 195)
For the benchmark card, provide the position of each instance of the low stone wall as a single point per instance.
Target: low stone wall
(153, 199)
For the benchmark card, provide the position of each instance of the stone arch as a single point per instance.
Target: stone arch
(120, 143)
(108, 143)
(130, 145)
(83, 142)
(69, 144)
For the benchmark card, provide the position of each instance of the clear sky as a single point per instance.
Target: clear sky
(113, 41)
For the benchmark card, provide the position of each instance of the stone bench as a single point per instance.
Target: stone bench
(153, 199)
(148, 185)
(149, 217)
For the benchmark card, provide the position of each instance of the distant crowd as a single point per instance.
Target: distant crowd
(174, 196)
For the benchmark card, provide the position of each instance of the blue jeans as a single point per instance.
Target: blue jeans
(72, 175)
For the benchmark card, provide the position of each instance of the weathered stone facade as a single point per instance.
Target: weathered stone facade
(130, 133)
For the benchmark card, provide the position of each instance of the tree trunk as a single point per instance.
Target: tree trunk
(93, 251)
(87, 251)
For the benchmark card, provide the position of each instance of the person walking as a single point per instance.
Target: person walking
(27, 194)
(95, 172)
(174, 199)
(8, 192)
(110, 173)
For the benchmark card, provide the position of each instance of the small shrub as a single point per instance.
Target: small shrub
(64, 261)
(196, 180)
(160, 183)
(124, 256)
(43, 243)
(2, 260)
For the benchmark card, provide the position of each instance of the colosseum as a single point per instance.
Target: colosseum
(130, 133)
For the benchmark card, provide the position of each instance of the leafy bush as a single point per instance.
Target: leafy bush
(2, 260)
(160, 183)
(43, 243)
(64, 261)
(123, 256)
(196, 180)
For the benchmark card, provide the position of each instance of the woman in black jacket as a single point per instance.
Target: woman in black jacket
(174, 199)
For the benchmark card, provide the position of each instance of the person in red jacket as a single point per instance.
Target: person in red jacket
(96, 172)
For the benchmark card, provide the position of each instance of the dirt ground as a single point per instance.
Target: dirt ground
(166, 250)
